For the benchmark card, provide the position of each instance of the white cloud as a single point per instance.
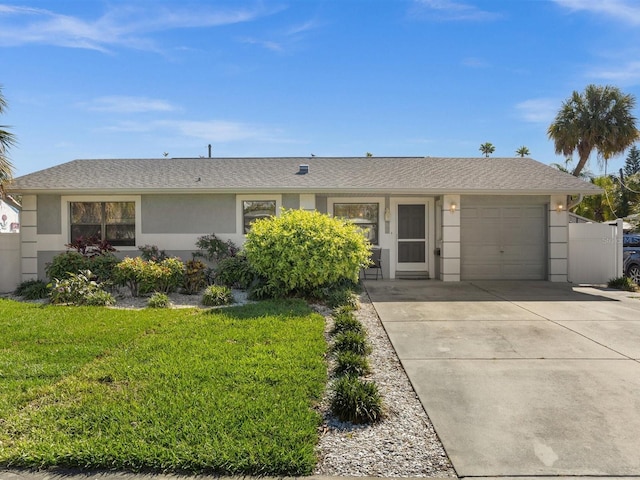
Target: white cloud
(451, 10)
(627, 11)
(125, 104)
(626, 74)
(219, 131)
(538, 110)
(268, 44)
(285, 39)
(124, 26)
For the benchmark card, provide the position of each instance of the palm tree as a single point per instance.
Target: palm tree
(6, 140)
(585, 174)
(599, 119)
(523, 151)
(487, 149)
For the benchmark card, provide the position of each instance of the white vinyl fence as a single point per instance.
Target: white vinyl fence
(595, 252)
(9, 261)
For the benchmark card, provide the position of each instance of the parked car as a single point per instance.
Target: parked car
(631, 256)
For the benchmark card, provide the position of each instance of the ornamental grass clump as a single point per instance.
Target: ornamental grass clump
(352, 399)
(217, 295)
(352, 364)
(346, 322)
(32, 290)
(349, 341)
(159, 300)
(356, 401)
(299, 251)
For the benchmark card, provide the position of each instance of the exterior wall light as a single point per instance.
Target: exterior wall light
(559, 207)
(387, 215)
(452, 207)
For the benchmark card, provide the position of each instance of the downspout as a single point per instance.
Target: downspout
(571, 204)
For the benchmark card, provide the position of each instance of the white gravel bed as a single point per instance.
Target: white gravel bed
(404, 444)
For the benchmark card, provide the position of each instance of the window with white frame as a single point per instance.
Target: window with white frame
(364, 215)
(113, 222)
(253, 210)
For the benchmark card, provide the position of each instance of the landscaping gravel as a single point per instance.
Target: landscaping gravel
(404, 444)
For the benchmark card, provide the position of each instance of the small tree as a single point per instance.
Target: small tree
(523, 151)
(632, 163)
(487, 148)
(300, 251)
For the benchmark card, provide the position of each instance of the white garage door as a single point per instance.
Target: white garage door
(500, 242)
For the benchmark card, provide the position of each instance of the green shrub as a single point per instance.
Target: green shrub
(143, 277)
(214, 249)
(32, 290)
(349, 363)
(170, 275)
(346, 322)
(137, 274)
(234, 272)
(65, 264)
(151, 253)
(159, 300)
(79, 289)
(194, 277)
(300, 251)
(622, 283)
(349, 341)
(356, 401)
(102, 266)
(216, 295)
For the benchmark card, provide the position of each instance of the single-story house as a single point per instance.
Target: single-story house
(446, 218)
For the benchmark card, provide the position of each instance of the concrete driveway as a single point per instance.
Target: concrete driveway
(522, 378)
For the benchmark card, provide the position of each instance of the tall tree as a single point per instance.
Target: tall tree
(487, 148)
(632, 163)
(523, 151)
(599, 119)
(6, 140)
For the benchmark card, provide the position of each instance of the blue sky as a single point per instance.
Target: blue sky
(128, 79)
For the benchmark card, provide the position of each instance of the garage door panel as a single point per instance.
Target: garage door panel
(503, 242)
(520, 272)
(512, 212)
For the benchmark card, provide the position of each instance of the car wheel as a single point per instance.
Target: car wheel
(633, 272)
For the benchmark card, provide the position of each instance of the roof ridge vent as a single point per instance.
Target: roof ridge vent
(303, 169)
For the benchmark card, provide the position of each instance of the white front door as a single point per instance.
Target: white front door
(412, 235)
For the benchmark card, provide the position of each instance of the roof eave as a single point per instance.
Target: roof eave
(325, 190)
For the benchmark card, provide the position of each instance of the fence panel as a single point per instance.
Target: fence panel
(9, 261)
(595, 252)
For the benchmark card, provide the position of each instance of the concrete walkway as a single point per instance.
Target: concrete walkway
(522, 378)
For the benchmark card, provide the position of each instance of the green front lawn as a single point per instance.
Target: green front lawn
(228, 391)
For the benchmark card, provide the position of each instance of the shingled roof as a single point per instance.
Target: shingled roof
(412, 175)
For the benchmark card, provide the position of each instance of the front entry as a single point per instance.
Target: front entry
(412, 239)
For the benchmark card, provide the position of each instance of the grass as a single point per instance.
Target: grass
(227, 392)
